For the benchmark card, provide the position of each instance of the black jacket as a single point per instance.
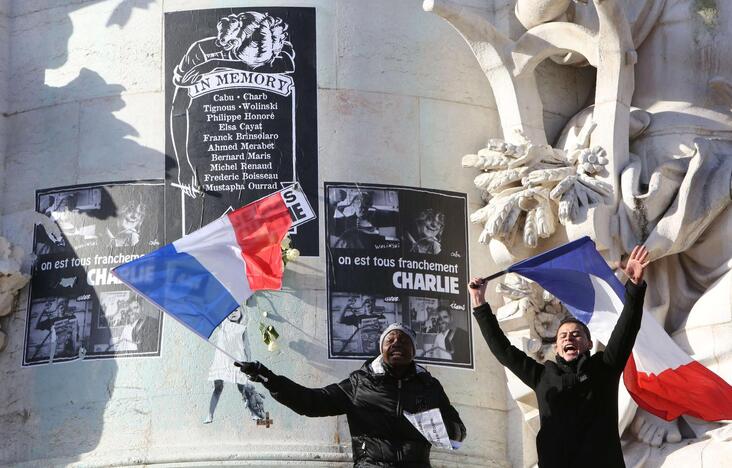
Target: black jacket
(578, 401)
(374, 401)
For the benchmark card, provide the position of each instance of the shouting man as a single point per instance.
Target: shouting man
(577, 395)
(374, 398)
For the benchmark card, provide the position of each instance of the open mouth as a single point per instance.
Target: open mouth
(569, 348)
(397, 352)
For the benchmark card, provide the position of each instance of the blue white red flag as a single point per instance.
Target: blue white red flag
(204, 276)
(659, 375)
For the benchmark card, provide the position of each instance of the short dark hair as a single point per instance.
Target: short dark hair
(579, 322)
(445, 308)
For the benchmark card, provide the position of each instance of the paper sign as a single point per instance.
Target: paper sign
(298, 205)
(432, 427)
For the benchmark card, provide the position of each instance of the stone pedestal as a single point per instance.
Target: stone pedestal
(400, 100)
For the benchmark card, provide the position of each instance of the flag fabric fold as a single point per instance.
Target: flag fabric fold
(659, 375)
(202, 277)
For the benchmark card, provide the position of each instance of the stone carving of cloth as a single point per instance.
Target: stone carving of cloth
(686, 217)
(689, 221)
(231, 336)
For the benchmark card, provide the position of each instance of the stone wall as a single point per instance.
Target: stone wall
(4, 66)
(397, 88)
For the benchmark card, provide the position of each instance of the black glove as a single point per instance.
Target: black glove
(255, 371)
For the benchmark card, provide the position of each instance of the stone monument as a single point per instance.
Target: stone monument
(85, 105)
(649, 160)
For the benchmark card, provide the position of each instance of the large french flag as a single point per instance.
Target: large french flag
(204, 276)
(661, 377)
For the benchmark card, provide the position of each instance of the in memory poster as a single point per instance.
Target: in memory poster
(397, 254)
(241, 110)
(76, 307)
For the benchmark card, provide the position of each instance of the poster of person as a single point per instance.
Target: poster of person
(241, 108)
(397, 254)
(76, 307)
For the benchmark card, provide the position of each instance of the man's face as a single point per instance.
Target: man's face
(135, 311)
(571, 341)
(397, 349)
(63, 308)
(445, 320)
(430, 224)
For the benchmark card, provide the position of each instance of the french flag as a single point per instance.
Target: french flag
(204, 276)
(661, 377)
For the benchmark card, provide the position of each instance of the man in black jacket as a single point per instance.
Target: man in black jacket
(577, 395)
(374, 399)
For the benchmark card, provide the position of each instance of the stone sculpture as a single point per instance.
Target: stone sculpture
(649, 162)
(11, 280)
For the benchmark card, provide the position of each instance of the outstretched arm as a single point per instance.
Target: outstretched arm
(621, 342)
(314, 402)
(525, 368)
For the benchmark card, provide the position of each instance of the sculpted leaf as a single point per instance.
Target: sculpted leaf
(562, 187)
(498, 180)
(544, 176)
(531, 231)
(546, 222)
(480, 215)
(601, 188)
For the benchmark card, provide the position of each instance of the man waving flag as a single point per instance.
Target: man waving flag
(661, 377)
(202, 277)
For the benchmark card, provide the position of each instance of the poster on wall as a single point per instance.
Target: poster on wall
(397, 254)
(76, 307)
(241, 107)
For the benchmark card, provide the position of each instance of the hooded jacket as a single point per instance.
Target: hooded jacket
(374, 402)
(578, 400)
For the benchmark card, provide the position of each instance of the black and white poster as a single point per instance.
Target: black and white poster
(241, 107)
(397, 254)
(76, 307)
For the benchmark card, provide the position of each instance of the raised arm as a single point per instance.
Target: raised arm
(314, 402)
(525, 368)
(622, 339)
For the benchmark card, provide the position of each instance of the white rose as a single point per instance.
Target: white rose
(291, 254)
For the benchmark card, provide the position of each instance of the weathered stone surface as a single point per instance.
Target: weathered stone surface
(404, 57)
(70, 59)
(447, 131)
(42, 153)
(360, 155)
(119, 136)
(85, 104)
(675, 190)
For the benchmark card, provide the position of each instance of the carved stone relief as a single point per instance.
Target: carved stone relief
(650, 161)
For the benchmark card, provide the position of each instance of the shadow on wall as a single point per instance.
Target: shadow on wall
(52, 414)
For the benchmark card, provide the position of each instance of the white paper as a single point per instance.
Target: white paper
(432, 427)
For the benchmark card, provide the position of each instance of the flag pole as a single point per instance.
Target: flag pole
(487, 278)
(495, 275)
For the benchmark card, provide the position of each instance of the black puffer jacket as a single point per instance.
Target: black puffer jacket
(578, 400)
(374, 402)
